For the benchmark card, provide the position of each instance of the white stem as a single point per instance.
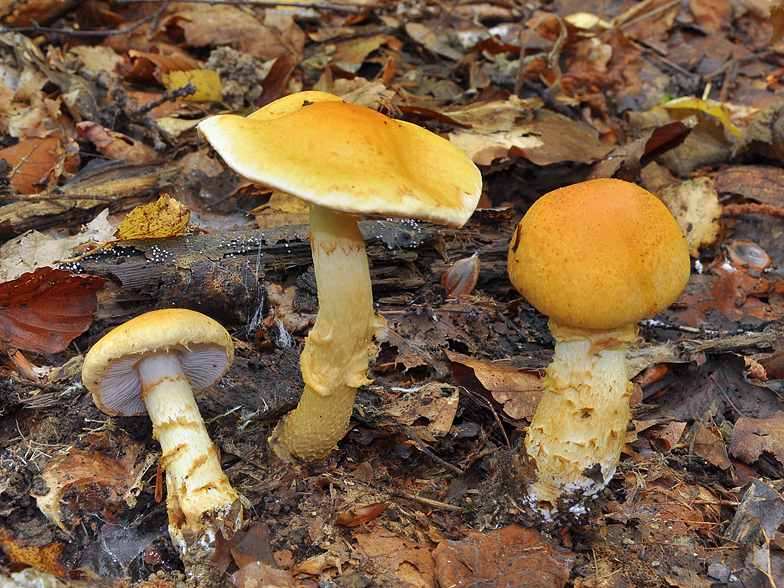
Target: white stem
(579, 428)
(195, 481)
(335, 359)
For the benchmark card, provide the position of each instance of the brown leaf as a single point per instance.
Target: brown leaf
(711, 15)
(106, 466)
(44, 311)
(709, 446)
(116, 145)
(513, 556)
(517, 390)
(434, 403)
(260, 575)
(220, 25)
(349, 55)
(356, 516)
(411, 562)
(252, 546)
(759, 183)
(37, 161)
(729, 290)
(626, 161)
(752, 437)
(150, 66)
(47, 558)
(777, 22)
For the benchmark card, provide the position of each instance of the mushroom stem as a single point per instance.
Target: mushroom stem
(336, 355)
(197, 488)
(578, 431)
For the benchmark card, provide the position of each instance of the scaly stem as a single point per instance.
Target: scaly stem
(335, 359)
(195, 482)
(579, 428)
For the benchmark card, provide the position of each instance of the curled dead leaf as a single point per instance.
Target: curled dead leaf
(356, 516)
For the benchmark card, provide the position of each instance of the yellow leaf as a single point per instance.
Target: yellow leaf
(165, 218)
(711, 107)
(207, 82)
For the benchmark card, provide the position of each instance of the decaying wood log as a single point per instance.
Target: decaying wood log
(115, 185)
(224, 272)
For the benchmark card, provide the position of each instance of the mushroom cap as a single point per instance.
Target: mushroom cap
(348, 158)
(598, 255)
(202, 345)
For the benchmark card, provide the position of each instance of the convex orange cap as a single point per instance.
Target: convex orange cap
(599, 255)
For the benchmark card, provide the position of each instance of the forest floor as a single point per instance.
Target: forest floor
(681, 97)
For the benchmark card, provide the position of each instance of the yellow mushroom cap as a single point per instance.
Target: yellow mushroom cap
(348, 158)
(203, 347)
(599, 255)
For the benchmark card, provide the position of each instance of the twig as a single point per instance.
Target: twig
(735, 61)
(619, 21)
(483, 402)
(735, 408)
(257, 3)
(36, 28)
(753, 208)
(167, 96)
(427, 451)
(429, 502)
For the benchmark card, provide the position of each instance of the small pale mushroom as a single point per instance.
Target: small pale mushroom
(152, 364)
(596, 257)
(345, 160)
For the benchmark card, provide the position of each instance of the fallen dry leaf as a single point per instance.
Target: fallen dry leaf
(96, 464)
(116, 145)
(47, 558)
(709, 445)
(517, 390)
(32, 250)
(261, 575)
(436, 403)
(252, 546)
(752, 437)
(729, 290)
(361, 514)
(37, 163)
(777, 22)
(282, 209)
(163, 218)
(411, 562)
(45, 310)
(221, 25)
(511, 557)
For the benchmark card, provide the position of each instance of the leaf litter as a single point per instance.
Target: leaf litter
(98, 134)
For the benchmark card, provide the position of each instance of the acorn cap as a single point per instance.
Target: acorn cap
(202, 345)
(348, 158)
(599, 255)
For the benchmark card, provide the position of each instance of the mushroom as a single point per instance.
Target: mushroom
(345, 160)
(596, 257)
(151, 364)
